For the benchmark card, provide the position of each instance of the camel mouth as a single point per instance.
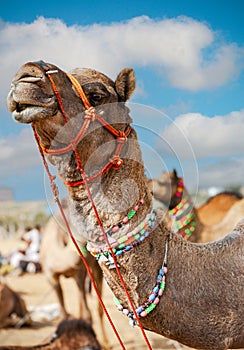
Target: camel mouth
(21, 107)
(24, 112)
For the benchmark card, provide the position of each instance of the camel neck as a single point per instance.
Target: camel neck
(115, 194)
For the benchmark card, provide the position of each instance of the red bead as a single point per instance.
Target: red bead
(125, 220)
(143, 314)
(115, 228)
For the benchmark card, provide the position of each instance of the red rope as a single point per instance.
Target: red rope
(56, 198)
(122, 139)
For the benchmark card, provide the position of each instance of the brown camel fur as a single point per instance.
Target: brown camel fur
(13, 310)
(202, 305)
(70, 334)
(213, 211)
(164, 190)
(58, 258)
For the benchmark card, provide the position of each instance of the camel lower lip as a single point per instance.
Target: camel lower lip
(29, 114)
(21, 117)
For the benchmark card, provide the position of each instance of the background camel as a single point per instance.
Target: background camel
(59, 258)
(164, 189)
(13, 310)
(70, 334)
(202, 303)
(215, 208)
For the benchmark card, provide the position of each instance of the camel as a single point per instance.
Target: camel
(70, 334)
(166, 190)
(213, 211)
(13, 310)
(189, 292)
(63, 260)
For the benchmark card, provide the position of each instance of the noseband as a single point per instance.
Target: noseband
(90, 116)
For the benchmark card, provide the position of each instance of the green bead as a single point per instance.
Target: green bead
(131, 214)
(117, 302)
(150, 308)
(162, 285)
(137, 236)
(121, 246)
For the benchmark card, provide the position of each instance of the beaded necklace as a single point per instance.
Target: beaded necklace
(124, 221)
(154, 297)
(182, 214)
(126, 242)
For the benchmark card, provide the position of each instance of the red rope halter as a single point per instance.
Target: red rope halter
(90, 115)
(115, 162)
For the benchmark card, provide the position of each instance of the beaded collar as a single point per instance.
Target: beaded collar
(154, 297)
(124, 221)
(183, 214)
(126, 242)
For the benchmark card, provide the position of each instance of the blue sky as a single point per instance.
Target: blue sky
(188, 60)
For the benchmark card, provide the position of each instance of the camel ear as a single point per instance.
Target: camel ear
(125, 83)
(175, 173)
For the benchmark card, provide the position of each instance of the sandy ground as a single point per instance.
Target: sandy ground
(37, 293)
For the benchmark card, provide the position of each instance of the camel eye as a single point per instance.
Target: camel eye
(95, 97)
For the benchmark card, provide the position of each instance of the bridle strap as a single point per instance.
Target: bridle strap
(114, 162)
(79, 90)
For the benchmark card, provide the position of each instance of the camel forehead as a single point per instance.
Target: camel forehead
(87, 75)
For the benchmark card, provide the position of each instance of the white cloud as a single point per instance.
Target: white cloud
(18, 154)
(208, 137)
(224, 172)
(188, 52)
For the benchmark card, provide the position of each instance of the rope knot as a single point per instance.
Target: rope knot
(121, 138)
(116, 162)
(90, 114)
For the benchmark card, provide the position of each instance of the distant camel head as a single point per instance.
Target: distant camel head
(164, 188)
(32, 100)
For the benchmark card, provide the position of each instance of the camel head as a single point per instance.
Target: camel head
(32, 100)
(164, 188)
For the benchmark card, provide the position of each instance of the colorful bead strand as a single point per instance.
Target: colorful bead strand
(153, 299)
(126, 242)
(124, 221)
(182, 214)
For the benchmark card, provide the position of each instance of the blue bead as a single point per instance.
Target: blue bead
(142, 238)
(119, 252)
(156, 289)
(139, 310)
(127, 248)
(161, 272)
(152, 297)
(159, 277)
